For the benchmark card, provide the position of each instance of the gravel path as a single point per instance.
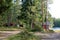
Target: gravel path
(49, 36)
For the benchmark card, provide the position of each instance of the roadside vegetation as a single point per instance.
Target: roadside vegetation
(27, 14)
(9, 28)
(24, 35)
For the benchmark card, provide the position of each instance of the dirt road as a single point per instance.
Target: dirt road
(5, 34)
(49, 36)
(43, 36)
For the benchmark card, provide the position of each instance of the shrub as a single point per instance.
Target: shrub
(51, 31)
(24, 35)
(37, 28)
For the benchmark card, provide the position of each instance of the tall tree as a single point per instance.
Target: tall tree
(30, 13)
(5, 5)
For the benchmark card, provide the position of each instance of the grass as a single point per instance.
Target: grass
(57, 31)
(8, 28)
(24, 35)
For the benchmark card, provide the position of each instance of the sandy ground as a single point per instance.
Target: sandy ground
(58, 31)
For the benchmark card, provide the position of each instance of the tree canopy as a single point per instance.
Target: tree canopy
(5, 5)
(27, 13)
(57, 22)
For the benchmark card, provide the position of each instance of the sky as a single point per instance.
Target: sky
(54, 8)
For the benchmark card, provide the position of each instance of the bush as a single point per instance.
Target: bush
(25, 35)
(37, 28)
(51, 31)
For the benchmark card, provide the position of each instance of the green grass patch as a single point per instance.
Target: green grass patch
(8, 28)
